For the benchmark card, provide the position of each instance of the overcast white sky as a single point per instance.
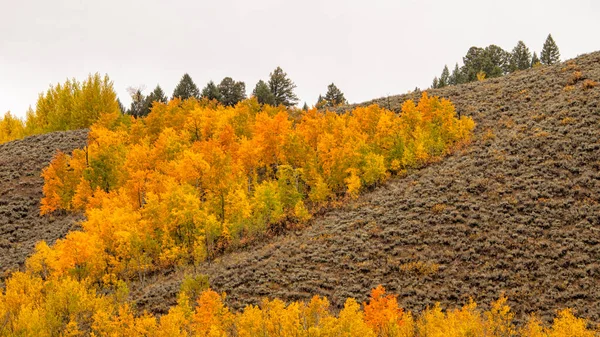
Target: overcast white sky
(368, 48)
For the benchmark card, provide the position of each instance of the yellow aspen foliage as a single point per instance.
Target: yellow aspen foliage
(481, 76)
(374, 169)
(533, 328)
(319, 189)
(464, 322)
(300, 212)
(499, 319)
(67, 106)
(250, 323)
(64, 306)
(316, 312)
(353, 183)
(193, 178)
(567, 325)
(350, 322)
(11, 128)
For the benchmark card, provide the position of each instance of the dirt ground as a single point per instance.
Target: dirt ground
(21, 164)
(517, 213)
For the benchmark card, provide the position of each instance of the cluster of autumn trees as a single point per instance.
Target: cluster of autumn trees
(34, 306)
(67, 106)
(74, 105)
(194, 178)
(493, 61)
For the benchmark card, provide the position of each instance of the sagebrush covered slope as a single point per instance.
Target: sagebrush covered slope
(21, 164)
(517, 212)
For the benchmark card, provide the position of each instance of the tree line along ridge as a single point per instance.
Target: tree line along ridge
(493, 61)
(74, 105)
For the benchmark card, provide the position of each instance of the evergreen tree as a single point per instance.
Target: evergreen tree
(186, 88)
(444, 78)
(305, 107)
(535, 60)
(473, 63)
(496, 61)
(212, 92)
(456, 77)
(435, 83)
(282, 88)
(321, 103)
(231, 91)
(493, 61)
(550, 54)
(520, 58)
(157, 95)
(263, 94)
(334, 96)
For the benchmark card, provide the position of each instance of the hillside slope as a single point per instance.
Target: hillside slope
(21, 164)
(517, 213)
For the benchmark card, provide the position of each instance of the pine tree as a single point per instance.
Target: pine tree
(321, 103)
(186, 88)
(473, 63)
(535, 60)
(496, 61)
(550, 54)
(231, 91)
(435, 83)
(157, 95)
(282, 88)
(456, 77)
(444, 78)
(211, 92)
(334, 96)
(263, 94)
(520, 58)
(305, 107)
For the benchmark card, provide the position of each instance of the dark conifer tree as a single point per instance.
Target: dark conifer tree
(157, 95)
(263, 94)
(211, 92)
(231, 91)
(444, 79)
(334, 96)
(282, 88)
(550, 53)
(186, 88)
(535, 60)
(520, 58)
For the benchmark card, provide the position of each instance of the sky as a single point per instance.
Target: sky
(369, 49)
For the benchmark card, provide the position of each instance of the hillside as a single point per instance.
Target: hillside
(517, 212)
(21, 226)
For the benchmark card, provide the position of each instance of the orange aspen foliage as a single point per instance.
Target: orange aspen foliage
(211, 318)
(193, 179)
(383, 315)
